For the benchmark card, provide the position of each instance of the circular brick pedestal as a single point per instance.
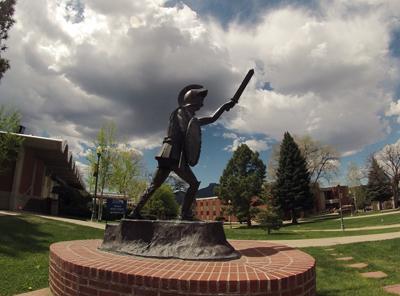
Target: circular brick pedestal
(79, 268)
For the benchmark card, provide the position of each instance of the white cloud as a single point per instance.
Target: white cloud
(254, 144)
(331, 71)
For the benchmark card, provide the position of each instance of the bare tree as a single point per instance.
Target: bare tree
(355, 177)
(389, 160)
(322, 160)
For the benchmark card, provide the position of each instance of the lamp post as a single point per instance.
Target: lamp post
(230, 212)
(96, 175)
(341, 210)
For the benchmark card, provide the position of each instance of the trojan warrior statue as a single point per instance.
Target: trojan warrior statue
(181, 146)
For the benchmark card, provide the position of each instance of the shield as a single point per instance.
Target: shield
(193, 142)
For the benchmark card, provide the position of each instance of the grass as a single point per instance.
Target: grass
(335, 279)
(24, 250)
(301, 231)
(259, 233)
(334, 223)
(25, 241)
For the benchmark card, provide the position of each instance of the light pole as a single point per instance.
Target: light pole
(230, 212)
(341, 210)
(96, 175)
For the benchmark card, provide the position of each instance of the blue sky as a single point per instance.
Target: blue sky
(327, 69)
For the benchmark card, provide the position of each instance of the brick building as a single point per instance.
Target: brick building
(42, 164)
(329, 199)
(211, 208)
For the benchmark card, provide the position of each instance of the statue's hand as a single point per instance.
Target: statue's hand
(229, 105)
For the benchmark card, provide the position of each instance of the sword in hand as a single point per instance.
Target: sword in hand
(240, 90)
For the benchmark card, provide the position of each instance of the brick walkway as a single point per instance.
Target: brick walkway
(264, 269)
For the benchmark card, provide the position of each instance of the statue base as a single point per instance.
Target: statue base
(189, 240)
(264, 269)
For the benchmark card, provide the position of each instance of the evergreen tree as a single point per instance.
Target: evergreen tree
(6, 21)
(378, 187)
(242, 181)
(269, 217)
(292, 187)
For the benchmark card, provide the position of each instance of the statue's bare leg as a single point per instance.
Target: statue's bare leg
(187, 175)
(160, 175)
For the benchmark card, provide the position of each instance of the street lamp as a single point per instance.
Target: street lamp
(96, 175)
(340, 205)
(230, 212)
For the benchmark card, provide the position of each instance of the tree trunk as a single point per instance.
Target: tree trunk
(248, 221)
(395, 187)
(269, 230)
(294, 218)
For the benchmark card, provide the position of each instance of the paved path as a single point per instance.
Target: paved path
(352, 229)
(331, 241)
(5, 213)
(68, 220)
(75, 221)
(372, 215)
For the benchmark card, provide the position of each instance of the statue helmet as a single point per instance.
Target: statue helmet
(192, 94)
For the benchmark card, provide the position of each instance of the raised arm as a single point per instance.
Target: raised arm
(210, 119)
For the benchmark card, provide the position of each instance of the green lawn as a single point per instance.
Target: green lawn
(362, 221)
(301, 231)
(335, 279)
(24, 250)
(25, 241)
(259, 233)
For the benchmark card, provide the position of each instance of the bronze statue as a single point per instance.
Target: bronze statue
(181, 146)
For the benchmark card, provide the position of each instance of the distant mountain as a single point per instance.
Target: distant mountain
(208, 191)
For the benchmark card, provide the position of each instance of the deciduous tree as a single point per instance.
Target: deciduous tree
(125, 170)
(105, 145)
(389, 159)
(322, 159)
(6, 22)
(9, 141)
(162, 204)
(242, 181)
(355, 176)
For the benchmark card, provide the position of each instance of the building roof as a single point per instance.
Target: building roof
(207, 191)
(56, 156)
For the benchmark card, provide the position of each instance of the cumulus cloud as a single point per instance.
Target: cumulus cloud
(124, 62)
(254, 144)
(332, 73)
(76, 64)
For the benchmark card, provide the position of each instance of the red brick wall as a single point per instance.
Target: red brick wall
(210, 209)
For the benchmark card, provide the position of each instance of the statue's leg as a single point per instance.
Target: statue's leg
(160, 176)
(187, 175)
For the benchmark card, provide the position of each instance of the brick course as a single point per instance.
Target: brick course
(79, 268)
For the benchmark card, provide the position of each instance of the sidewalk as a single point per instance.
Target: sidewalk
(353, 229)
(75, 221)
(67, 220)
(331, 241)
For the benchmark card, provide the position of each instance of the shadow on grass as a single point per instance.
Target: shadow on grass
(18, 236)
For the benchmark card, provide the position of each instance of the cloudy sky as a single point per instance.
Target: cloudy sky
(329, 69)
